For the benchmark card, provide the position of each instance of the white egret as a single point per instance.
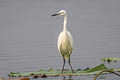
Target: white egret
(65, 41)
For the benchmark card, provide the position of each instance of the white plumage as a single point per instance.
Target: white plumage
(65, 41)
(65, 44)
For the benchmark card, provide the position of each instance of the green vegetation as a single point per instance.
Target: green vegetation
(111, 59)
(110, 71)
(100, 69)
(97, 68)
(52, 72)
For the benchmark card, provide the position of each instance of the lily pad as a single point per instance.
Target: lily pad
(52, 72)
(110, 59)
(97, 68)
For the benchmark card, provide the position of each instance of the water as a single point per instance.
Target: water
(28, 34)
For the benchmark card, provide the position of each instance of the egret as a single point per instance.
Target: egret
(65, 41)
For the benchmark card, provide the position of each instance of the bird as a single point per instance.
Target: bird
(65, 41)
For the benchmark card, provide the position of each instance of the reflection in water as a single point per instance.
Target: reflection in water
(69, 78)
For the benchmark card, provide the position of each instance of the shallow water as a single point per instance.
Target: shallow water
(28, 34)
(103, 77)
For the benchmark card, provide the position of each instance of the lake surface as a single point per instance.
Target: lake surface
(28, 34)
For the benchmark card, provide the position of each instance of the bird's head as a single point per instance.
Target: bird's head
(60, 13)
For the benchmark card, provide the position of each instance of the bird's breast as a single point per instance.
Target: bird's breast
(65, 44)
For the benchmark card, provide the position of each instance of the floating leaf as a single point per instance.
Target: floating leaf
(52, 72)
(110, 59)
(97, 68)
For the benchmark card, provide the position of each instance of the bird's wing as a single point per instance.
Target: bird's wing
(59, 40)
(71, 39)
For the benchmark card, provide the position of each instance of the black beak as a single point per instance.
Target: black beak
(55, 15)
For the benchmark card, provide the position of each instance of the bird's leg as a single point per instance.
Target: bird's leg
(63, 63)
(70, 64)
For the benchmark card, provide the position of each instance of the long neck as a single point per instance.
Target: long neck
(65, 24)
